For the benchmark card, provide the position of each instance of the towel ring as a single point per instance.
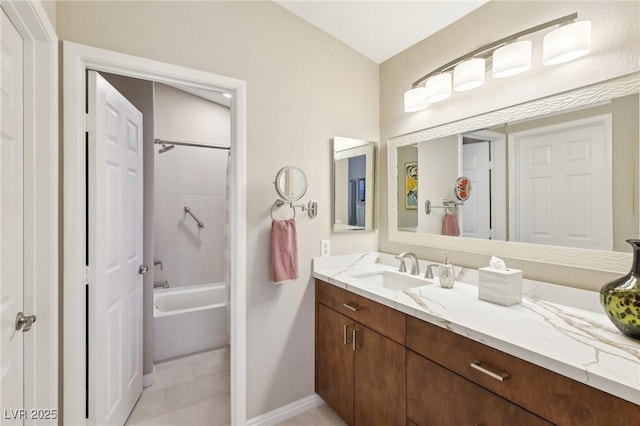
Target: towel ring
(280, 203)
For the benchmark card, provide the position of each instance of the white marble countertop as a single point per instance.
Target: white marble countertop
(561, 329)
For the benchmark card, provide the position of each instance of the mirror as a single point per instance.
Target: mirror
(353, 184)
(291, 183)
(563, 175)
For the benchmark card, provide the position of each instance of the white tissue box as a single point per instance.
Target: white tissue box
(501, 286)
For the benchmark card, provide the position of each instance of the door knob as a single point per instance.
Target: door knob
(143, 269)
(24, 323)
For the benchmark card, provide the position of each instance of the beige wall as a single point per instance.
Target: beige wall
(615, 41)
(303, 87)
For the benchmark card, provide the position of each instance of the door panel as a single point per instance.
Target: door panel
(563, 181)
(477, 209)
(335, 362)
(11, 222)
(115, 233)
(380, 380)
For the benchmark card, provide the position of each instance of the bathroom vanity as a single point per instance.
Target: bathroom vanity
(397, 349)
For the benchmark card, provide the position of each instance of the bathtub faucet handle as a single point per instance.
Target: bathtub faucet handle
(143, 270)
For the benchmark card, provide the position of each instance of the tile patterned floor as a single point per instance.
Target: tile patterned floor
(189, 391)
(194, 391)
(319, 416)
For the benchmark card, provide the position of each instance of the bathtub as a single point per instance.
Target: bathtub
(189, 319)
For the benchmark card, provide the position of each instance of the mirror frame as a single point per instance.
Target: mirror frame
(599, 260)
(370, 203)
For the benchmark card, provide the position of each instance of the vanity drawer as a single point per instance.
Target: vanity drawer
(384, 320)
(550, 395)
(437, 396)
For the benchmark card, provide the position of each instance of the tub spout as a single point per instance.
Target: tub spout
(158, 284)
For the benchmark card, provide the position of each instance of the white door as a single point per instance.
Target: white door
(561, 192)
(477, 209)
(115, 253)
(11, 224)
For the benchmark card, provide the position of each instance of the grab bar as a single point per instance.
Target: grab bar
(188, 210)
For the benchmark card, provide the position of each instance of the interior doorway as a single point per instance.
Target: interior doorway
(78, 60)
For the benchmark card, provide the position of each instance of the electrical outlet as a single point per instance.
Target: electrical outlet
(325, 248)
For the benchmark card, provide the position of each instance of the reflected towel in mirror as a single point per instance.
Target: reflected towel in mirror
(450, 225)
(284, 251)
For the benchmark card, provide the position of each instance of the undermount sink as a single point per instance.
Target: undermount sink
(392, 280)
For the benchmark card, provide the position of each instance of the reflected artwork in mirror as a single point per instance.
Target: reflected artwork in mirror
(353, 184)
(557, 172)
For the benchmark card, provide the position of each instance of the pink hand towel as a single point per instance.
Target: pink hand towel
(450, 225)
(284, 251)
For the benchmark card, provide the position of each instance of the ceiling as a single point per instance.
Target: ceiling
(383, 28)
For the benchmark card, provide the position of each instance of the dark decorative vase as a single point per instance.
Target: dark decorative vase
(620, 298)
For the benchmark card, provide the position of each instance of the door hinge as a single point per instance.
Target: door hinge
(490, 165)
(86, 275)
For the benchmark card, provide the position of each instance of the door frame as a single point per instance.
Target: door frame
(77, 59)
(40, 201)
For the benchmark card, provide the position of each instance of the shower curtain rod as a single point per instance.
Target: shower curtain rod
(184, 143)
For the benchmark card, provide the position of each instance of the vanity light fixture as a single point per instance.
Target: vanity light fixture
(415, 99)
(438, 87)
(469, 74)
(566, 43)
(512, 59)
(509, 56)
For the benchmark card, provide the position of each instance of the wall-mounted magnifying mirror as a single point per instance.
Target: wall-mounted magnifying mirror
(291, 183)
(353, 180)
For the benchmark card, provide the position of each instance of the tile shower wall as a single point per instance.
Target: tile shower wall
(193, 177)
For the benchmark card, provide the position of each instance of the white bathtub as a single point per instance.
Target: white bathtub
(189, 319)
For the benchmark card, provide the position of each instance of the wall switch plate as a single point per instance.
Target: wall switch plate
(325, 248)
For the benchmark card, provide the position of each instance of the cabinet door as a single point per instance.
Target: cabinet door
(437, 396)
(380, 380)
(335, 361)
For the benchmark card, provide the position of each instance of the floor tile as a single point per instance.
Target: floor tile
(318, 416)
(215, 362)
(211, 412)
(180, 397)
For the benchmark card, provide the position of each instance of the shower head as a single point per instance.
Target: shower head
(165, 148)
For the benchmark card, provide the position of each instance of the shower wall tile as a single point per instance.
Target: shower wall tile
(192, 265)
(166, 172)
(193, 177)
(215, 174)
(168, 213)
(215, 263)
(170, 267)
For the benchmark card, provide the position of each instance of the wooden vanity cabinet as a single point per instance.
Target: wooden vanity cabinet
(556, 398)
(402, 370)
(437, 396)
(360, 373)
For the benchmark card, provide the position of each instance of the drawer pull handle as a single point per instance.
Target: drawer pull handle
(498, 376)
(355, 339)
(345, 334)
(351, 307)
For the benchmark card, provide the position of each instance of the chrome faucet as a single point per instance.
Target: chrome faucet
(429, 274)
(415, 268)
(158, 284)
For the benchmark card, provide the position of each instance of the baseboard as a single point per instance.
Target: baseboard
(283, 413)
(149, 379)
